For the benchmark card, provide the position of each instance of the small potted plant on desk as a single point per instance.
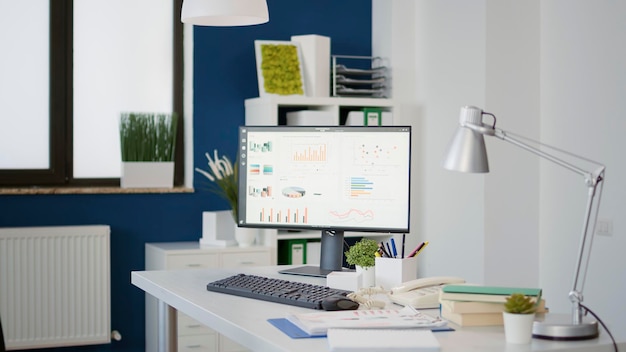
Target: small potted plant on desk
(519, 314)
(362, 256)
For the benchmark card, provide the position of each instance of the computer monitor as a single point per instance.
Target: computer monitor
(332, 178)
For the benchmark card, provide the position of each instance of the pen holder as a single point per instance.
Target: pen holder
(391, 272)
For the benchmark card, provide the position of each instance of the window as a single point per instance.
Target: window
(98, 58)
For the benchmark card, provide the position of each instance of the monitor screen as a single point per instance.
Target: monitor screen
(336, 179)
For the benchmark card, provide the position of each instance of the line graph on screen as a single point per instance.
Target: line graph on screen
(352, 215)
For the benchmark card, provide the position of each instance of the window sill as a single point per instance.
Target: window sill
(90, 190)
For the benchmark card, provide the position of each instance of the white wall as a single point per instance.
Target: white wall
(548, 70)
(583, 85)
(431, 106)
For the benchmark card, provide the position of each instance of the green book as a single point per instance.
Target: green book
(492, 290)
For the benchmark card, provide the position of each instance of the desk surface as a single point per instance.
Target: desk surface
(245, 320)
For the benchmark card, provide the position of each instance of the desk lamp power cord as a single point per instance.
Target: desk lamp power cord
(587, 310)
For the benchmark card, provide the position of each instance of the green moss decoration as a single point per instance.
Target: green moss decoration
(280, 66)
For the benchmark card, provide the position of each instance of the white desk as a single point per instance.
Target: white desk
(245, 320)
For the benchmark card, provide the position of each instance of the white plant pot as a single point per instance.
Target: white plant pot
(139, 174)
(368, 275)
(245, 236)
(518, 328)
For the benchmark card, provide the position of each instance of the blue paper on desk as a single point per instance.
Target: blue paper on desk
(291, 330)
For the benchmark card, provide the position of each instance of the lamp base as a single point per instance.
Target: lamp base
(561, 328)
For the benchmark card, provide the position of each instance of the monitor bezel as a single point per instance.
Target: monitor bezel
(242, 185)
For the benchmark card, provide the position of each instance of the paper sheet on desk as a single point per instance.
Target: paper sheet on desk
(295, 332)
(317, 323)
(388, 340)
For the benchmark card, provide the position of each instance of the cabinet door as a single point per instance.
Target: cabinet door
(197, 343)
(228, 345)
(192, 261)
(241, 259)
(193, 335)
(187, 326)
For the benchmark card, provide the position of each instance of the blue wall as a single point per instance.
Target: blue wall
(224, 75)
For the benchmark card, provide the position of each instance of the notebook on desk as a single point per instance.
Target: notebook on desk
(388, 340)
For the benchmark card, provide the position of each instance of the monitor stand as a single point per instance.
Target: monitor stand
(331, 257)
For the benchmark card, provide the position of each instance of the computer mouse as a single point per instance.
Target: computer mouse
(339, 302)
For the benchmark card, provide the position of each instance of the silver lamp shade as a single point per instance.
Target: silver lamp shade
(466, 151)
(223, 13)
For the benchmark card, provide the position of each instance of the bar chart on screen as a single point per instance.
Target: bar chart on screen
(284, 215)
(309, 152)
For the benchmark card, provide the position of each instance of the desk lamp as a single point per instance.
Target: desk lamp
(467, 153)
(224, 12)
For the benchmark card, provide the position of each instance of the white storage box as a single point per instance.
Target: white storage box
(310, 118)
(342, 280)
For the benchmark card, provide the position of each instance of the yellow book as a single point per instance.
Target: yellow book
(472, 319)
(461, 307)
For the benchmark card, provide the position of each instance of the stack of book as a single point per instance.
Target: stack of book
(476, 305)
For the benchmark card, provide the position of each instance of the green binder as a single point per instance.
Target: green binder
(292, 252)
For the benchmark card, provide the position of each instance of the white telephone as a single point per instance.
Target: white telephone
(422, 293)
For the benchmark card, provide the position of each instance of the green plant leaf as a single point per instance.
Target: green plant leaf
(362, 253)
(148, 136)
(518, 303)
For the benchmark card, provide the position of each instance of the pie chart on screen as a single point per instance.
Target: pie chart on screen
(293, 192)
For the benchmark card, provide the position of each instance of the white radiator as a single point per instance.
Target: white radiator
(55, 286)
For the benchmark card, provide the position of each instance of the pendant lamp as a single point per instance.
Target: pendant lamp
(222, 13)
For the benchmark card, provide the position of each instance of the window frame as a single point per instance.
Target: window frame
(60, 173)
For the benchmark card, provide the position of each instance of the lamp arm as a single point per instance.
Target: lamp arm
(584, 251)
(589, 177)
(593, 181)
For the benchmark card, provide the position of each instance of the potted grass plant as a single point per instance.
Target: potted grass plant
(147, 142)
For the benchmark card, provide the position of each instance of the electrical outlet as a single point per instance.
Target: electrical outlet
(604, 227)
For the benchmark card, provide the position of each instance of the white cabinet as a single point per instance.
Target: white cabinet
(191, 334)
(272, 110)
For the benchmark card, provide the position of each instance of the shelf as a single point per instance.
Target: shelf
(295, 100)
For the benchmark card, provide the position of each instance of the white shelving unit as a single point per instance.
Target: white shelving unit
(271, 111)
(192, 335)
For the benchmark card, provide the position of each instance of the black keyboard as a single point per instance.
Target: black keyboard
(275, 290)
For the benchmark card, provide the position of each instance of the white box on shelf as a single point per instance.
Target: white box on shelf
(218, 229)
(356, 118)
(310, 118)
(391, 272)
(316, 56)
